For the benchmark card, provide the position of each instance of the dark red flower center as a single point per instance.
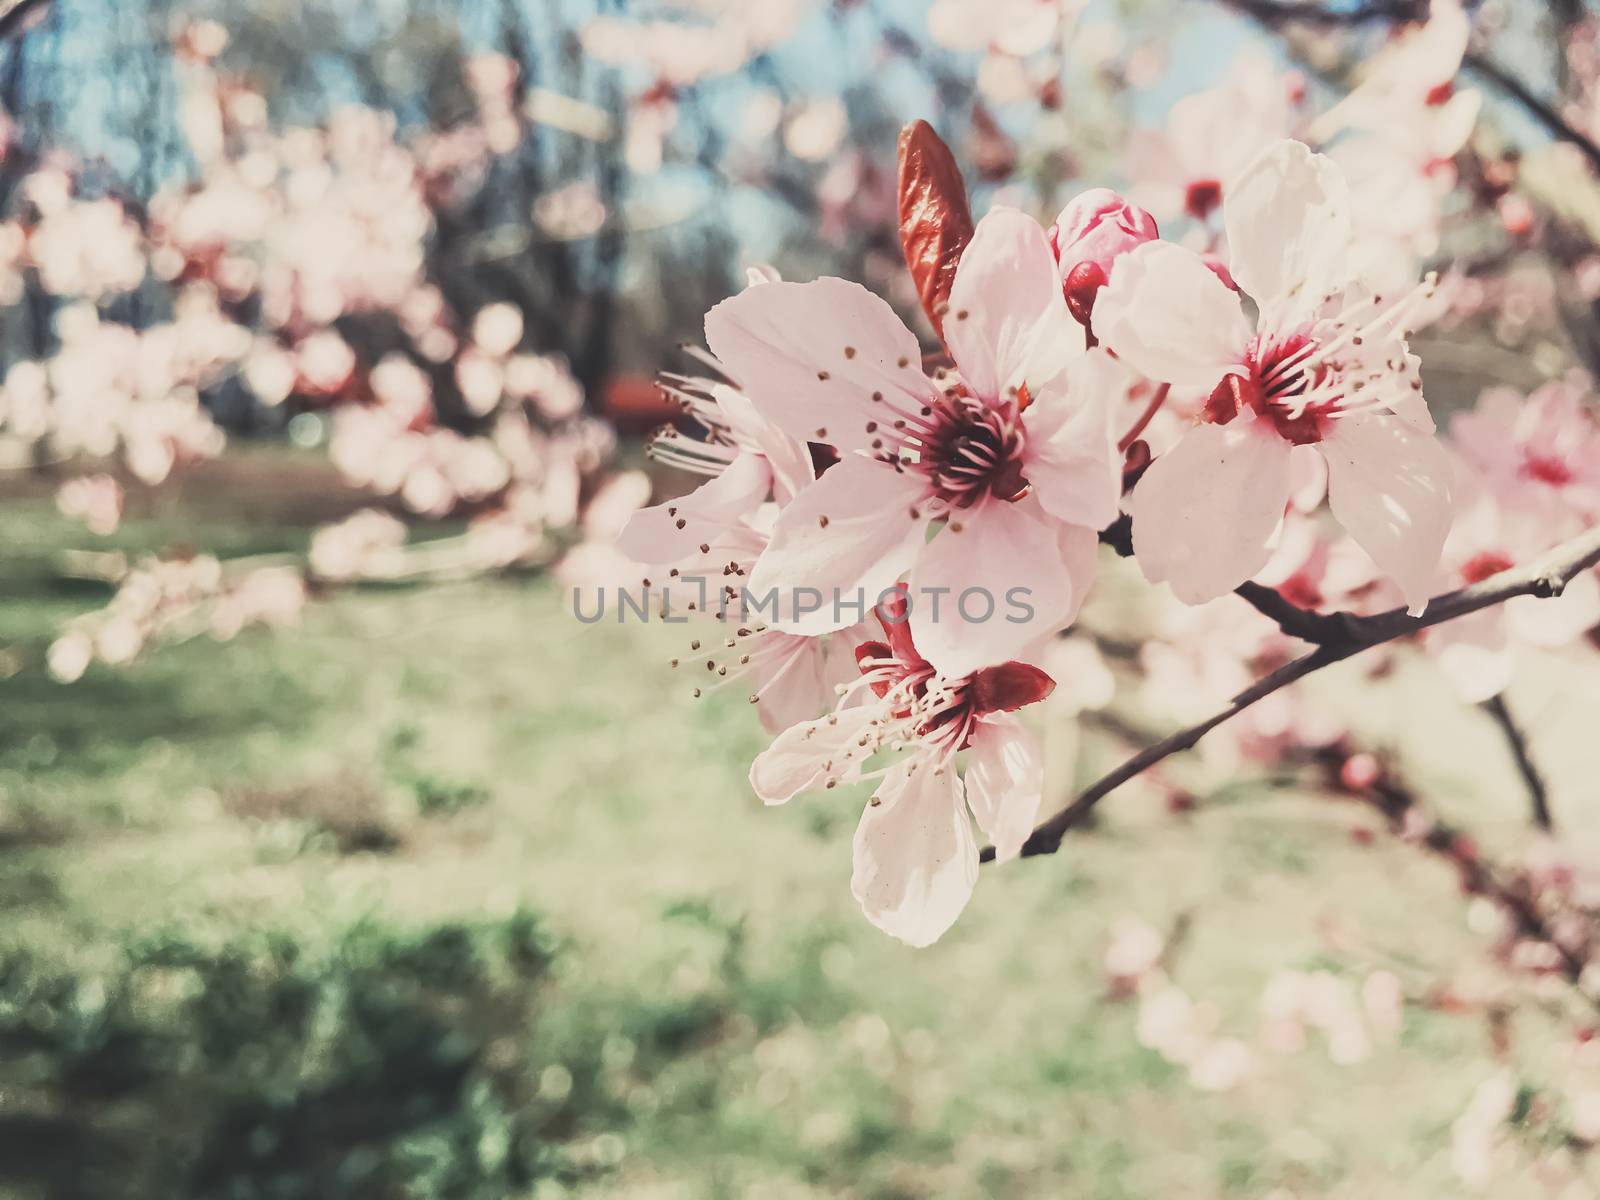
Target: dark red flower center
(1481, 566)
(896, 662)
(1202, 197)
(1271, 390)
(1547, 468)
(973, 450)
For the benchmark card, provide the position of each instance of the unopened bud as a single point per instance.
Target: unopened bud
(1359, 772)
(1097, 227)
(1081, 285)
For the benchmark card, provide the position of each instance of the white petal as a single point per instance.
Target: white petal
(1205, 511)
(807, 755)
(1167, 315)
(1557, 620)
(653, 535)
(1288, 222)
(1473, 654)
(791, 677)
(1007, 561)
(811, 355)
(1389, 486)
(868, 539)
(1005, 782)
(1453, 124)
(1080, 555)
(788, 456)
(1008, 323)
(916, 862)
(1072, 458)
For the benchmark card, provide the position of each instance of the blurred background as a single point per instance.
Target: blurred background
(337, 860)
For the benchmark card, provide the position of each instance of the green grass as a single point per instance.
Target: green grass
(717, 1020)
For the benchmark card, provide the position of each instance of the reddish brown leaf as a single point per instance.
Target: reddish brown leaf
(935, 221)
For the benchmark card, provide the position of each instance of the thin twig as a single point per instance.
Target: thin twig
(1273, 13)
(1156, 401)
(1314, 627)
(19, 16)
(1517, 740)
(1399, 806)
(1545, 578)
(1538, 108)
(1297, 12)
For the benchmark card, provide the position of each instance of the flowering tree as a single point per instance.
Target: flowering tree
(301, 272)
(1218, 375)
(1196, 410)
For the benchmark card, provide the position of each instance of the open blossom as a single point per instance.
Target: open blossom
(1479, 654)
(1530, 477)
(1326, 366)
(1012, 457)
(916, 861)
(746, 457)
(1408, 95)
(1209, 138)
(96, 500)
(1539, 454)
(695, 543)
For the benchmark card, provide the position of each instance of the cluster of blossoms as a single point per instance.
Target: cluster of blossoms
(292, 275)
(995, 473)
(160, 601)
(895, 538)
(1348, 1021)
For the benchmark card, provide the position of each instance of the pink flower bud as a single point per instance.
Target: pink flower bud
(1359, 772)
(1098, 226)
(1080, 286)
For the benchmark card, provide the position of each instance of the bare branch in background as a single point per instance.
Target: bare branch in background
(1399, 806)
(1275, 13)
(19, 16)
(1517, 740)
(1345, 636)
(1296, 12)
(1537, 107)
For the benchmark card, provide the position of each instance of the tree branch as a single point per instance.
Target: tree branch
(1517, 740)
(1298, 12)
(1399, 806)
(18, 16)
(1538, 108)
(1273, 13)
(1314, 627)
(1347, 635)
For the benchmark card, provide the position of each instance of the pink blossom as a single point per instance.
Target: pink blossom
(1013, 458)
(1016, 28)
(497, 329)
(1477, 1133)
(721, 529)
(1326, 366)
(96, 500)
(69, 656)
(747, 458)
(1209, 138)
(270, 596)
(365, 545)
(1539, 454)
(1407, 95)
(916, 861)
(1133, 951)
